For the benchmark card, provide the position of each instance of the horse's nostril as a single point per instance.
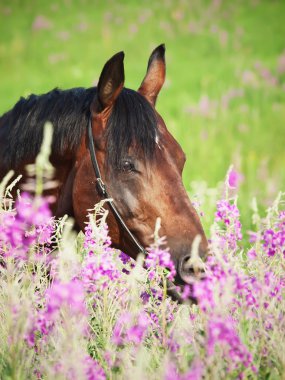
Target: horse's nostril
(189, 270)
(191, 267)
(185, 266)
(185, 259)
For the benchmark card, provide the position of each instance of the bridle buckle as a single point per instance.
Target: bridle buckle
(101, 186)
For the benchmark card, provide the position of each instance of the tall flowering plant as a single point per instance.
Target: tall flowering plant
(72, 307)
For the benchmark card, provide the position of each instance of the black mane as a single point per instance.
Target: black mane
(132, 121)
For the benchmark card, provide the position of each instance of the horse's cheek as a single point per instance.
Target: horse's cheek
(83, 197)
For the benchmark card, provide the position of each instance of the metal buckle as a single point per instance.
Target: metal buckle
(101, 186)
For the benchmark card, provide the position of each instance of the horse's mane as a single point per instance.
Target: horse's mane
(132, 121)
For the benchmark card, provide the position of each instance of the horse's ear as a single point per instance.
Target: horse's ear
(111, 83)
(155, 75)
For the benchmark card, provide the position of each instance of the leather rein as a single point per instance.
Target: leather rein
(101, 187)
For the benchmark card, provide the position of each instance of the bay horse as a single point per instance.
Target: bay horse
(110, 141)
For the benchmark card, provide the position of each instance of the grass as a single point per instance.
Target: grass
(211, 45)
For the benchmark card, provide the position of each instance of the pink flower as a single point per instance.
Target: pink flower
(41, 23)
(228, 215)
(98, 271)
(70, 294)
(186, 292)
(30, 224)
(204, 292)
(99, 267)
(93, 369)
(131, 329)
(251, 254)
(158, 256)
(222, 333)
(234, 179)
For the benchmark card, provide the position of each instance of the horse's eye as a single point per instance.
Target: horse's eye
(127, 166)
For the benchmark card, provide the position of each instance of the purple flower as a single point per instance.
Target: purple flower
(226, 212)
(130, 329)
(204, 292)
(30, 224)
(195, 372)
(157, 256)
(119, 329)
(234, 179)
(172, 373)
(98, 271)
(251, 254)
(93, 370)
(274, 238)
(44, 232)
(145, 297)
(99, 266)
(70, 294)
(186, 292)
(222, 333)
(228, 215)
(172, 344)
(253, 236)
(97, 238)
(41, 23)
(124, 258)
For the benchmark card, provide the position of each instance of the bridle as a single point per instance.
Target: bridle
(101, 187)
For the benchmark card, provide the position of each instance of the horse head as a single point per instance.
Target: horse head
(141, 165)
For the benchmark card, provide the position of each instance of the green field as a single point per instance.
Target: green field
(224, 99)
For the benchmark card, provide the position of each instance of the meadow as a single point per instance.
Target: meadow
(74, 308)
(81, 310)
(224, 95)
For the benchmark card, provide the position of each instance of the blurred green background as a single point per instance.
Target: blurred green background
(224, 98)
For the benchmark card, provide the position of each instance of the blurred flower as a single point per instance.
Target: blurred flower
(42, 23)
(223, 37)
(130, 329)
(251, 254)
(230, 95)
(64, 35)
(186, 292)
(133, 29)
(70, 294)
(93, 369)
(172, 373)
(144, 15)
(234, 178)
(249, 78)
(157, 256)
(195, 372)
(31, 223)
(82, 26)
(253, 236)
(203, 291)
(222, 334)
